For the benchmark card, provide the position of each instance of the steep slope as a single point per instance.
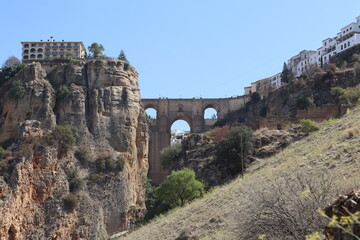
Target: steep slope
(278, 196)
(101, 101)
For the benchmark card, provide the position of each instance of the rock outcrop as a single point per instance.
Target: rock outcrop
(101, 101)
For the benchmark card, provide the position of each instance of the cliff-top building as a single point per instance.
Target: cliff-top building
(50, 50)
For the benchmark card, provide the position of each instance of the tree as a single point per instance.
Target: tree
(286, 74)
(234, 150)
(170, 154)
(179, 188)
(122, 56)
(96, 50)
(12, 62)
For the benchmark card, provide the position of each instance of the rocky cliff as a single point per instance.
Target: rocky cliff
(101, 101)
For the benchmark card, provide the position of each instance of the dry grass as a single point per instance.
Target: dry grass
(293, 183)
(351, 132)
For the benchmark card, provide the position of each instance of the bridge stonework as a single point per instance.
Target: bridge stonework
(190, 110)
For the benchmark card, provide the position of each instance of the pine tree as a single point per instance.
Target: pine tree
(122, 56)
(285, 75)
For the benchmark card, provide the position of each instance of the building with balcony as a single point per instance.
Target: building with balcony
(50, 50)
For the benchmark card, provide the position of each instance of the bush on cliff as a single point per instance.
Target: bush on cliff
(63, 92)
(70, 202)
(303, 102)
(8, 72)
(83, 155)
(66, 136)
(234, 150)
(106, 163)
(17, 89)
(4, 153)
(350, 95)
(180, 188)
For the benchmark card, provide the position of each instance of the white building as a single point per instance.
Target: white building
(276, 81)
(307, 59)
(39, 51)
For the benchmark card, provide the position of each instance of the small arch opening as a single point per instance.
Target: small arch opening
(151, 113)
(26, 51)
(39, 56)
(32, 56)
(33, 50)
(40, 50)
(180, 130)
(210, 113)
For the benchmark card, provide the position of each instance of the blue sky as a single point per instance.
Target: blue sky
(184, 48)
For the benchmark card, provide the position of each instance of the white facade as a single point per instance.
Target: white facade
(51, 50)
(276, 81)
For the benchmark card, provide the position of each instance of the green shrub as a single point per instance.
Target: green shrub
(106, 163)
(4, 153)
(17, 89)
(308, 126)
(126, 66)
(303, 102)
(66, 137)
(83, 155)
(234, 150)
(76, 184)
(349, 95)
(179, 188)
(70, 202)
(170, 154)
(64, 92)
(331, 121)
(8, 72)
(4, 166)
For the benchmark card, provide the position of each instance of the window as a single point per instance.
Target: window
(341, 47)
(344, 45)
(348, 43)
(26, 51)
(33, 44)
(39, 56)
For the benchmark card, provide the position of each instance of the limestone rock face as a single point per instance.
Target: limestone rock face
(102, 102)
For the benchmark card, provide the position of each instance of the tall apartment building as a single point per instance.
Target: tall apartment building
(50, 50)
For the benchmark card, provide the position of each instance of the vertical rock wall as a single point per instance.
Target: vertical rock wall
(103, 104)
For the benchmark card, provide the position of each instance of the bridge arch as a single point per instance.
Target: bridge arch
(211, 111)
(180, 117)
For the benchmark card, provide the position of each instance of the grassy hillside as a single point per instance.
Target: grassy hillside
(277, 197)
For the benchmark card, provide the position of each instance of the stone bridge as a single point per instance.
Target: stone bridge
(190, 110)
